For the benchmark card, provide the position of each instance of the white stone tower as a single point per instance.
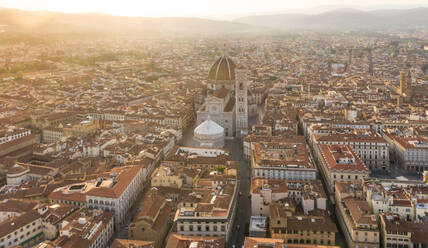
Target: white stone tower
(241, 101)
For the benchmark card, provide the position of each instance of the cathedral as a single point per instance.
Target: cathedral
(226, 101)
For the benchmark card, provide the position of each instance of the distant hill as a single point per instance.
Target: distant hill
(343, 19)
(340, 19)
(53, 22)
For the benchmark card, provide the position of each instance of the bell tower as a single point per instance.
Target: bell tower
(405, 83)
(241, 101)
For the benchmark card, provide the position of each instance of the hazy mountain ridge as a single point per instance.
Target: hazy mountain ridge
(53, 22)
(341, 19)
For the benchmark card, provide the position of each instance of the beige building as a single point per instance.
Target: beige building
(83, 228)
(77, 128)
(176, 240)
(253, 242)
(407, 199)
(370, 147)
(25, 230)
(174, 177)
(287, 160)
(339, 163)
(302, 229)
(129, 243)
(265, 192)
(153, 222)
(398, 233)
(52, 219)
(358, 222)
(210, 209)
(411, 153)
(16, 141)
(113, 191)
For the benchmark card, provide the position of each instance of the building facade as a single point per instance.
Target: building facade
(226, 102)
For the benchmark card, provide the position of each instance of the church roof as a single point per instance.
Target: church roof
(209, 127)
(223, 69)
(16, 169)
(221, 93)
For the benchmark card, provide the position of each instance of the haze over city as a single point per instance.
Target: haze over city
(214, 124)
(222, 9)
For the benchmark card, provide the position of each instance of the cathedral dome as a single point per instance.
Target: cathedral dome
(222, 70)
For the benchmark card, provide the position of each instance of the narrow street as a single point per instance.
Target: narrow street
(243, 213)
(187, 139)
(123, 232)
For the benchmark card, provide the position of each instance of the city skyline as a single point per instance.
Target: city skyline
(201, 124)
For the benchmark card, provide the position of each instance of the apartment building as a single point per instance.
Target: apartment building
(265, 192)
(340, 163)
(153, 221)
(358, 222)
(16, 141)
(210, 209)
(303, 229)
(24, 230)
(370, 147)
(410, 152)
(282, 160)
(115, 191)
(396, 232)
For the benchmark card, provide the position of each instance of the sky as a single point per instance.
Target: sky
(201, 8)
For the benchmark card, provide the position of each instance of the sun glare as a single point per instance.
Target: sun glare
(164, 8)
